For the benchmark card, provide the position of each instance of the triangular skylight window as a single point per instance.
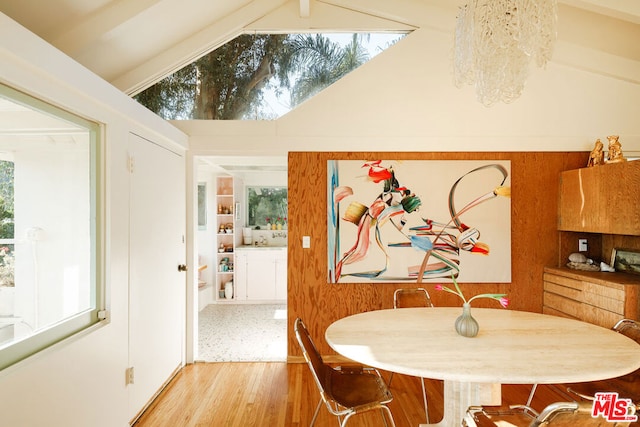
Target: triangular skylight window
(261, 76)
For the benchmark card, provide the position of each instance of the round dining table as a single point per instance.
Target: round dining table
(512, 347)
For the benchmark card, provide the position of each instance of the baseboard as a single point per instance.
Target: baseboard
(155, 396)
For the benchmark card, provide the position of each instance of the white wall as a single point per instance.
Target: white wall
(404, 99)
(80, 382)
(206, 240)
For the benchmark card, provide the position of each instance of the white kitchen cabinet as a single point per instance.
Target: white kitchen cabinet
(281, 275)
(261, 274)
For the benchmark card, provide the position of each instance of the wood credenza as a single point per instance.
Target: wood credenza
(594, 297)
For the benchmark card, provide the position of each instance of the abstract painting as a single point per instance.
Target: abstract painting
(418, 221)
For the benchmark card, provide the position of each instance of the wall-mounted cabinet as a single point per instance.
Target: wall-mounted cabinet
(601, 199)
(225, 238)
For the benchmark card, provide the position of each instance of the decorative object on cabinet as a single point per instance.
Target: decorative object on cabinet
(594, 297)
(606, 267)
(578, 261)
(596, 157)
(615, 150)
(625, 260)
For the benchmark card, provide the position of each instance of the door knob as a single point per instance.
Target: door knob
(182, 267)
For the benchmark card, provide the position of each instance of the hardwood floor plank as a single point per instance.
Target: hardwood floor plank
(277, 394)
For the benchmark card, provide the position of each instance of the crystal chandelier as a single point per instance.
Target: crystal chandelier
(495, 41)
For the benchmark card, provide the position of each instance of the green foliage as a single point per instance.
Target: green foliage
(6, 200)
(266, 204)
(318, 62)
(229, 82)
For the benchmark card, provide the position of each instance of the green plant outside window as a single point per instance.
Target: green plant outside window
(266, 205)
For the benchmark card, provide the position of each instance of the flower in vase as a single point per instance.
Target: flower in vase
(501, 298)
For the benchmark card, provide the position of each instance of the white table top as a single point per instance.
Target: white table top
(512, 347)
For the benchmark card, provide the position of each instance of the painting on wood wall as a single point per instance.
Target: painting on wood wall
(418, 221)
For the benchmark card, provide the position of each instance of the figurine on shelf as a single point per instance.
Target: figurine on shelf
(597, 154)
(615, 150)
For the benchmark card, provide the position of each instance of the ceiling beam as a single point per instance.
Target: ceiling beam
(74, 37)
(190, 49)
(626, 10)
(304, 8)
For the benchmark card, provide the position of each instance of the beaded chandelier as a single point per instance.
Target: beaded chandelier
(495, 41)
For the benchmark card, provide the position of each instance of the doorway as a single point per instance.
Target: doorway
(233, 330)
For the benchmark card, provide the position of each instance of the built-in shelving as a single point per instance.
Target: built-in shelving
(226, 243)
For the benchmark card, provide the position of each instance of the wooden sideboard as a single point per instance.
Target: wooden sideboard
(594, 297)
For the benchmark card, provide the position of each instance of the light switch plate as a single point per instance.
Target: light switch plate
(306, 242)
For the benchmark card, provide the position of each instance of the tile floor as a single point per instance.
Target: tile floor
(242, 333)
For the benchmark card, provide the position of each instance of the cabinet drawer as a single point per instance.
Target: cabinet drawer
(590, 294)
(568, 306)
(599, 298)
(609, 291)
(598, 316)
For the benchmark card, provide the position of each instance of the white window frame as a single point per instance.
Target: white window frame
(83, 321)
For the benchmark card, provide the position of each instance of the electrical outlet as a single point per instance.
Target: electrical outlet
(306, 242)
(582, 245)
(128, 373)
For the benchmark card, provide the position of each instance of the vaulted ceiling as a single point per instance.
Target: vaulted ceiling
(133, 43)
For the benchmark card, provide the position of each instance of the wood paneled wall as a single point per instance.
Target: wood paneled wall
(534, 238)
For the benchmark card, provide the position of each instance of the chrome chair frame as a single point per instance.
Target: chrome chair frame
(586, 391)
(628, 327)
(428, 303)
(345, 391)
(559, 414)
(400, 291)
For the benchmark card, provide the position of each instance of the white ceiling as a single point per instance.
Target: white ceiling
(121, 40)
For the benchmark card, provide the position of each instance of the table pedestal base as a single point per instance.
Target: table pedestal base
(458, 396)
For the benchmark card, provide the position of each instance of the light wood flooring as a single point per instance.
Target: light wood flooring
(279, 394)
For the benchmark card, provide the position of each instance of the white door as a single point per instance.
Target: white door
(156, 288)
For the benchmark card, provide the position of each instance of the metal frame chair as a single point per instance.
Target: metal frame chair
(558, 414)
(345, 391)
(407, 298)
(627, 385)
(411, 297)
